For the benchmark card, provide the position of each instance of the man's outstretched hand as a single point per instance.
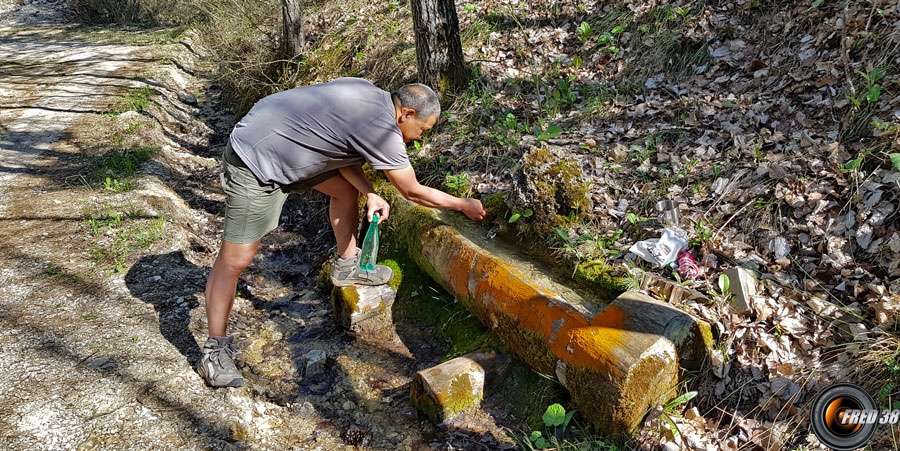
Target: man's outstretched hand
(473, 209)
(375, 204)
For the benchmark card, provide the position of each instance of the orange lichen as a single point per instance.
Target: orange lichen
(593, 347)
(613, 317)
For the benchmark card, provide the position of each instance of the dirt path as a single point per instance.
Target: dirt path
(99, 355)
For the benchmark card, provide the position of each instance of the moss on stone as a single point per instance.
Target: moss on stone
(344, 302)
(461, 396)
(422, 401)
(398, 274)
(530, 346)
(351, 299)
(602, 275)
(495, 205)
(323, 278)
(555, 187)
(616, 405)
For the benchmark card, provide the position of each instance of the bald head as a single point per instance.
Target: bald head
(418, 97)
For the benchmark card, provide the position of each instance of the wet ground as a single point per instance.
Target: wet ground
(98, 353)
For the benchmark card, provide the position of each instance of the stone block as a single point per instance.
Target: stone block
(363, 309)
(455, 387)
(692, 337)
(742, 286)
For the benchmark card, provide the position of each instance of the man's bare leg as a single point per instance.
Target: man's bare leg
(344, 213)
(232, 260)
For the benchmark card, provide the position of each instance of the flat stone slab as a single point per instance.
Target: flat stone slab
(363, 309)
(455, 387)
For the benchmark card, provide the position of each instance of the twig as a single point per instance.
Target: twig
(729, 220)
(871, 13)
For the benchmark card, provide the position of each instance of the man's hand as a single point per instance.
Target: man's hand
(473, 209)
(374, 203)
(405, 181)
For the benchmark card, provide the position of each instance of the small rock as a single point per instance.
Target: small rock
(780, 247)
(129, 116)
(710, 261)
(618, 153)
(693, 441)
(315, 361)
(742, 285)
(305, 410)
(718, 186)
(156, 278)
(348, 405)
(670, 447)
(190, 99)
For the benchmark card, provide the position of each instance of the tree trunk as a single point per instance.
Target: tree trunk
(292, 27)
(438, 49)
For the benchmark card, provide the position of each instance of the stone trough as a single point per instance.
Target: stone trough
(618, 362)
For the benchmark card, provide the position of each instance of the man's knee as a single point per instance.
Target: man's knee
(237, 257)
(338, 188)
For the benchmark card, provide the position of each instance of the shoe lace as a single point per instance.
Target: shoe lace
(229, 350)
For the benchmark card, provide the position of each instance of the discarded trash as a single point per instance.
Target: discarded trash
(668, 213)
(687, 267)
(369, 255)
(663, 250)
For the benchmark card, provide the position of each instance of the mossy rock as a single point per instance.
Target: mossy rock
(553, 185)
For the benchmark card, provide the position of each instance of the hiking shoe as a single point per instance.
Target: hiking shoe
(345, 273)
(216, 365)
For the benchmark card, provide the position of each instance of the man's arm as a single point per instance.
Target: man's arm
(374, 203)
(405, 181)
(354, 174)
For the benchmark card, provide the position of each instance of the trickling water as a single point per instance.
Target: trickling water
(579, 296)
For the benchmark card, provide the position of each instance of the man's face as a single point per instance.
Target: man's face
(411, 126)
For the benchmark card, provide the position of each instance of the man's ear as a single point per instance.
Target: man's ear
(407, 114)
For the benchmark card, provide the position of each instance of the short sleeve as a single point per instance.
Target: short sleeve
(381, 144)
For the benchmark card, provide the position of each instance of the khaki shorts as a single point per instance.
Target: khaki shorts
(252, 208)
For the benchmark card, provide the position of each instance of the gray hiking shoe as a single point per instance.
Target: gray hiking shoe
(216, 365)
(347, 272)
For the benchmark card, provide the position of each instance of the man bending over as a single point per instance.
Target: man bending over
(315, 136)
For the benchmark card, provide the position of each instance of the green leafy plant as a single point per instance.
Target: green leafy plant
(563, 94)
(670, 410)
(619, 28)
(724, 283)
(577, 62)
(632, 218)
(704, 232)
(458, 185)
(872, 89)
(520, 214)
(605, 38)
(552, 132)
(895, 160)
(554, 417)
(136, 100)
(584, 32)
(115, 185)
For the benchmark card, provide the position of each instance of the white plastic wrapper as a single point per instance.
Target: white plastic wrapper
(663, 250)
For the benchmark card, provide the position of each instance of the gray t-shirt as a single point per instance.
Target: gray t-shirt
(302, 132)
